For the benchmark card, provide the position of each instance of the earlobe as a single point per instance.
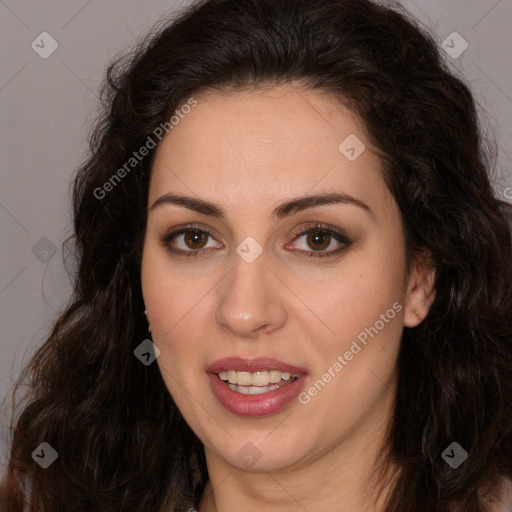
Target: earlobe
(420, 292)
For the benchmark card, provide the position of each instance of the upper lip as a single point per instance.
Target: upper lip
(252, 365)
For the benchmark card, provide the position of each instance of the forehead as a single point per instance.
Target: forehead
(263, 144)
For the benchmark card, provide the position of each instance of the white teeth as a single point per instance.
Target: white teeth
(252, 390)
(259, 379)
(274, 376)
(243, 378)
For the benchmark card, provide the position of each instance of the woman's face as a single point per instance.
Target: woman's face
(236, 287)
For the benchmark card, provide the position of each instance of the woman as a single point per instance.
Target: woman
(293, 197)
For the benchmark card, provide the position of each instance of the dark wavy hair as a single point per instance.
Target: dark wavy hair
(122, 443)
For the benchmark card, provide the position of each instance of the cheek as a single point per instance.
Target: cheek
(177, 311)
(363, 308)
(171, 298)
(363, 287)
(172, 304)
(353, 366)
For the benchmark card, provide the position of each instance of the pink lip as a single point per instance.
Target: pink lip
(255, 405)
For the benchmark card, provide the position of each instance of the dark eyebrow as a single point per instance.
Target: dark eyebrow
(283, 210)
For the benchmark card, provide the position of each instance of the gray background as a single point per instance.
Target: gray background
(47, 106)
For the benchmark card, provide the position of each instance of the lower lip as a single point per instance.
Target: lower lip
(255, 405)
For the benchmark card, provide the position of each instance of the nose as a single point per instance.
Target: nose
(250, 300)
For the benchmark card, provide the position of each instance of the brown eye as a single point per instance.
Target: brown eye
(190, 242)
(321, 241)
(318, 240)
(195, 239)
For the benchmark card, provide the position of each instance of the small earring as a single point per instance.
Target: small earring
(417, 314)
(149, 326)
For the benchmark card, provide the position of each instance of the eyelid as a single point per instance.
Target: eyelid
(175, 232)
(335, 233)
(319, 227)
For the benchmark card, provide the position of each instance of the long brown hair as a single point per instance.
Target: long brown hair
(122, 444)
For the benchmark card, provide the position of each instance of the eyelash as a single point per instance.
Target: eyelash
(338, 236)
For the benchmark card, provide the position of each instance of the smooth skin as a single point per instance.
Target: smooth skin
(248, 152)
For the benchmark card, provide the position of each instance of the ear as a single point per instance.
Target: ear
(420, 290)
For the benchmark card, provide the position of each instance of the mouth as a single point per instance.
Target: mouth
(255, 387)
